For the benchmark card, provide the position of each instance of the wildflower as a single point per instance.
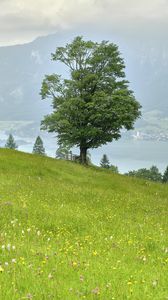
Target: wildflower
(1, 269)
(154, 283)
(144, 258)
(14, 260)
(50, 276)
(108, 285)
(81, 278)
(13, 247)
(74, 263)
(3, 247)
(29, 296)
(96, 291)
(8, 247)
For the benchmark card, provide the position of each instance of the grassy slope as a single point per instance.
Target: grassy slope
(79, 233)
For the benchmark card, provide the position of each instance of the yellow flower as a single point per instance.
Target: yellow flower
(1, 269)
(74, 263)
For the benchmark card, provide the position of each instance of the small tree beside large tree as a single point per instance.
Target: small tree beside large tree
(38, 147)
(104, 163)
(91, 106)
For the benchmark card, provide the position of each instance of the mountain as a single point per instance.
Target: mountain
(22, 68)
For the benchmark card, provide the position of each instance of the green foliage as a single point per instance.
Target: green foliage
(114, 169)
(63, 152)
(92, 106)
(104, 163)
(71, 233)
(38, 147)
(165, 176)
(149, 174)
(10, 143)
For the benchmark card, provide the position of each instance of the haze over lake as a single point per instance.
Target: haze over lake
(138, 28)
(126, 154)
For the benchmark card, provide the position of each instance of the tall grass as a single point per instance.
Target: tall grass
(69, 232)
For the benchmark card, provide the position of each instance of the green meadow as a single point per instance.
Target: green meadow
(71, 232)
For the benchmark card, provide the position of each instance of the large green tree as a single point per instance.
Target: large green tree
(94, 103)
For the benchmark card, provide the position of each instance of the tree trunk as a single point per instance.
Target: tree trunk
(83, 155)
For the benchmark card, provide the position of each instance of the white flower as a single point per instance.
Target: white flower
(8, 247)
(13, 247)
(3, 247)
(154, 283)
(50, 276)
(14, 260)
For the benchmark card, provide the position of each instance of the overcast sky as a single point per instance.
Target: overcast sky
(23, 20)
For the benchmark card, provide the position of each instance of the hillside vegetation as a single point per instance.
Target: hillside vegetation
(70, 232)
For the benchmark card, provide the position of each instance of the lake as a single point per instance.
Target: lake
(126, 154)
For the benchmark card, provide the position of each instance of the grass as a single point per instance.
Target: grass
(68, 232)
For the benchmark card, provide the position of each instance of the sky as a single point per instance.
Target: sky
(22, 21)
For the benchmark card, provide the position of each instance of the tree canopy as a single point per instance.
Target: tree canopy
(38, 147)
(10, 143)
(94, 102)
(63, 152)
(149, 174)
(165, 176)
(104, 163)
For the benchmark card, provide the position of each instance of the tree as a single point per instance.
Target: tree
(38, 147)
(92, 106)
(165, 176)
(63, 152)
(10, 143)
(114, 169)
(104, 163)
(149, 174)
(155, 175)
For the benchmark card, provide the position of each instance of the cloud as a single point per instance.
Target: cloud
(21, 21)
(17, 94)
(36, 56)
